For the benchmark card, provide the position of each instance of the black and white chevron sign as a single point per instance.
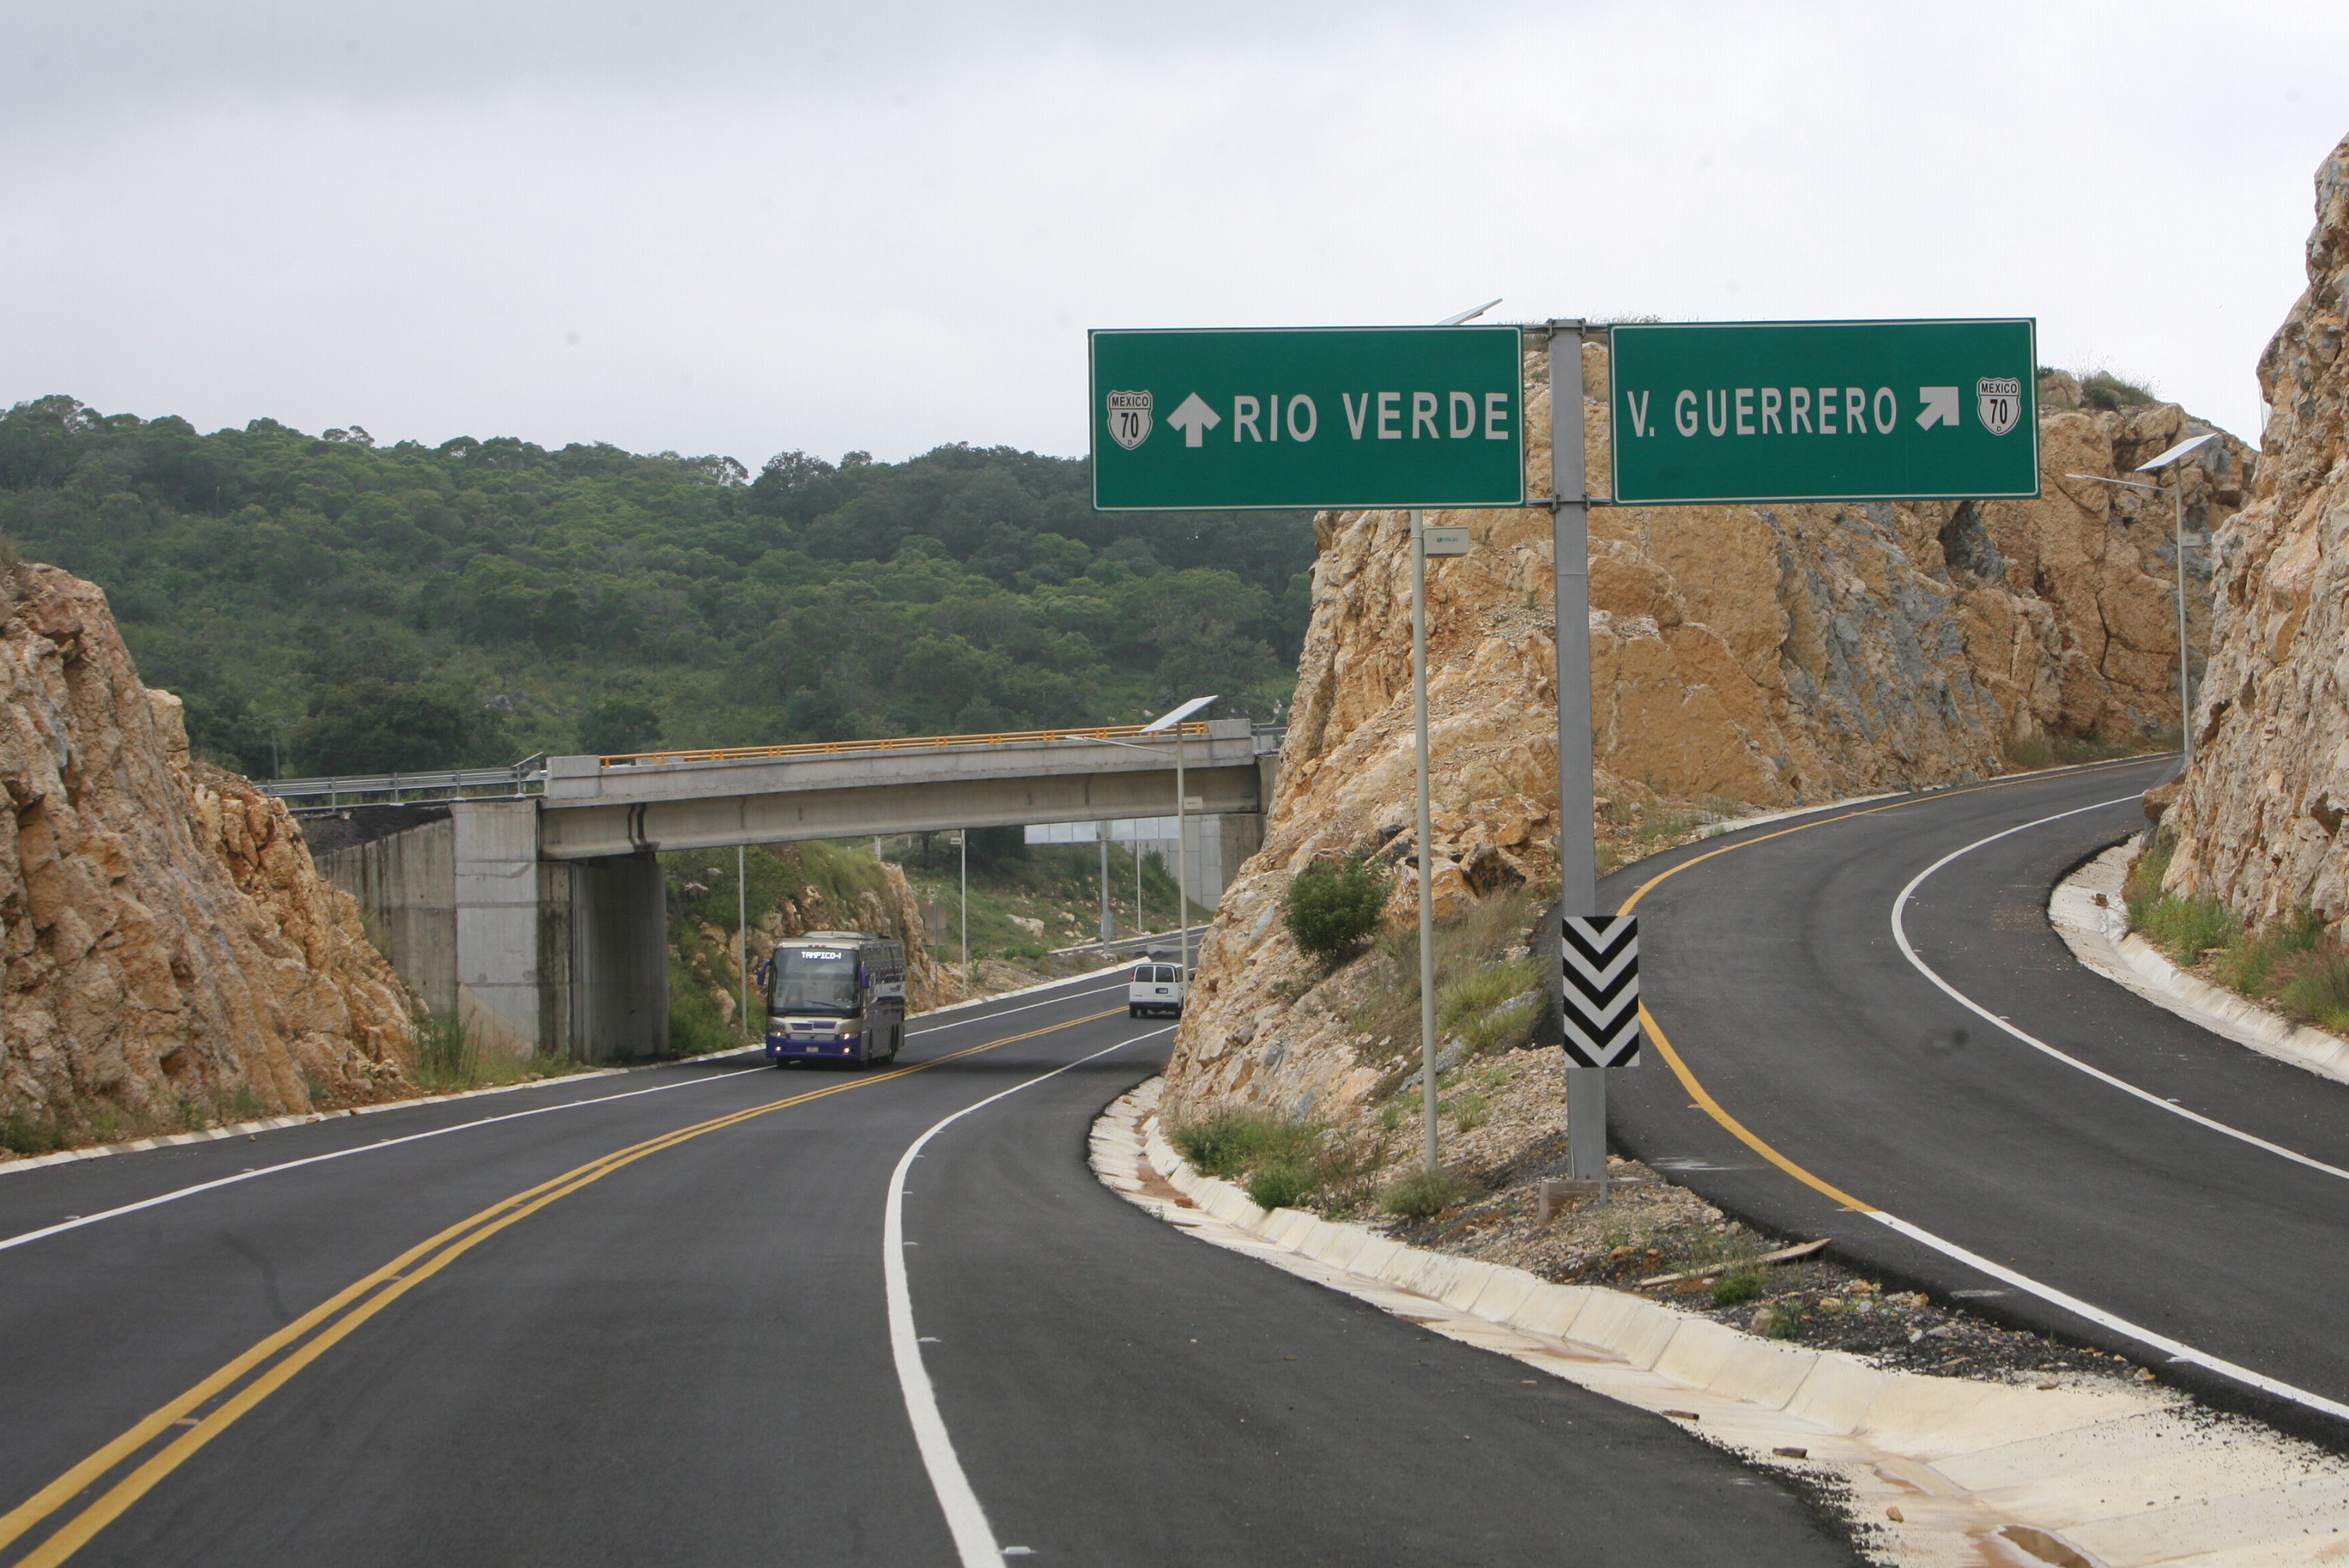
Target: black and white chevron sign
(1600, 956)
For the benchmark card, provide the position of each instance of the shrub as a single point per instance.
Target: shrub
(1231, 1143)
(1738, 1284)
(2315, 985)
(1333, 904)
(2102, 389)
(1279, 1186)
(1422, 1194)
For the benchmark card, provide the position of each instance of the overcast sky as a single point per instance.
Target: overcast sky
(745, 228)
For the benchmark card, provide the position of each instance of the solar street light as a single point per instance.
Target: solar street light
(2172, 462)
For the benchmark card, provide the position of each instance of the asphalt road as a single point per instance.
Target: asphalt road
(648, 1319)
(1771, 963)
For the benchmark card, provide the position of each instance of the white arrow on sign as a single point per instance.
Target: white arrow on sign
(1194, 419)
(1940, 408)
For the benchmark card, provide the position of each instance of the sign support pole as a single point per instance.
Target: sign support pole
(1578, 846)
(1421, 848)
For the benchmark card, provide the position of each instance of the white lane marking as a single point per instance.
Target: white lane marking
(1900, 935)
(76, 1222)
(1007, 1012)
(255, 1174)
(974, 1538)
(2178, 1350)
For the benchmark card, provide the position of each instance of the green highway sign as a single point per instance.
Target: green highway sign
(1824, 411)
(1309, 417)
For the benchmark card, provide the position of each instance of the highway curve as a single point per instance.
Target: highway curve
(647, 1318)
(2120, 1176)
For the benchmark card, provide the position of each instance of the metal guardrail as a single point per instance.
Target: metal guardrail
(527, 777)
(901, 743)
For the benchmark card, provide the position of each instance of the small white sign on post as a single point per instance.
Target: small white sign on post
(1446, 539)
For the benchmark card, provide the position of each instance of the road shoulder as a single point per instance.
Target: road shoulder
(1928, 1469)
(2089, 913)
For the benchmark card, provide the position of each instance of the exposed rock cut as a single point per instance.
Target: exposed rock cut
(2259, 817)
(169, 950)
(1767, 654)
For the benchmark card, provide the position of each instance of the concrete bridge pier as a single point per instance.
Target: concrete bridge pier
(569, 958)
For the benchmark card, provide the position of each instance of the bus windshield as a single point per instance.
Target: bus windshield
(813, 980)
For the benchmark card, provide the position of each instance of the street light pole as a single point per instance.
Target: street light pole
(2172, 462)
(2185, 679)
(962, 842)
(1182, 867)
(1108, 921)
(742, 929)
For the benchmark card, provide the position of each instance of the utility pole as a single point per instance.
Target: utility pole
(962, 842)
(742, 929)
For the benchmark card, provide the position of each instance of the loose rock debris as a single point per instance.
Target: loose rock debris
(1661, 1240)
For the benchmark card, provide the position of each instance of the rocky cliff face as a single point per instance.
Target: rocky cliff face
(170, 953)
(1765, 655)
(2259, 818)
(894, 911)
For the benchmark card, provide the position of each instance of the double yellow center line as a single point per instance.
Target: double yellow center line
(1680, 1069)
(203, 1412)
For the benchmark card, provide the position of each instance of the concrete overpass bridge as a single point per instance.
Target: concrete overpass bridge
(528, 900)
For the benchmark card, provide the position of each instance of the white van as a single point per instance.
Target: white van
(1154, 989)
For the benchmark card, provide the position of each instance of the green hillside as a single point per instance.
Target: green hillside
(326, 605)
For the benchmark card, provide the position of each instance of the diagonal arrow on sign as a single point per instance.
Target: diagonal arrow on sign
(1194, 419)
(1940, 408)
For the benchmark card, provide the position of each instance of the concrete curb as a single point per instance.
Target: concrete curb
(1978, 1472)
(2088, 912)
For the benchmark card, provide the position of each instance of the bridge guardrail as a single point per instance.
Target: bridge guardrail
(1195, 730)
(527, 777)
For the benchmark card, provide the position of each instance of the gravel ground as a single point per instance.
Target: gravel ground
(1652, 1227)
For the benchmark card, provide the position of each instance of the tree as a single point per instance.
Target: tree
(616, 727)
(375, 726)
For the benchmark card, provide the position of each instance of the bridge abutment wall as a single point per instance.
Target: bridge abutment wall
(568, 957)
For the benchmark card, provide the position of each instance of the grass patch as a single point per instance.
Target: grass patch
(2068, 751)
(446, 1056)
(1469, 1110)
(1738, 1284)
(1480, 990)
(99, 1118)
(2315, 985)
(695, 1027)
(1282, 1162)
(2187, 928)
(1420, 1193)
(2289, 962)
